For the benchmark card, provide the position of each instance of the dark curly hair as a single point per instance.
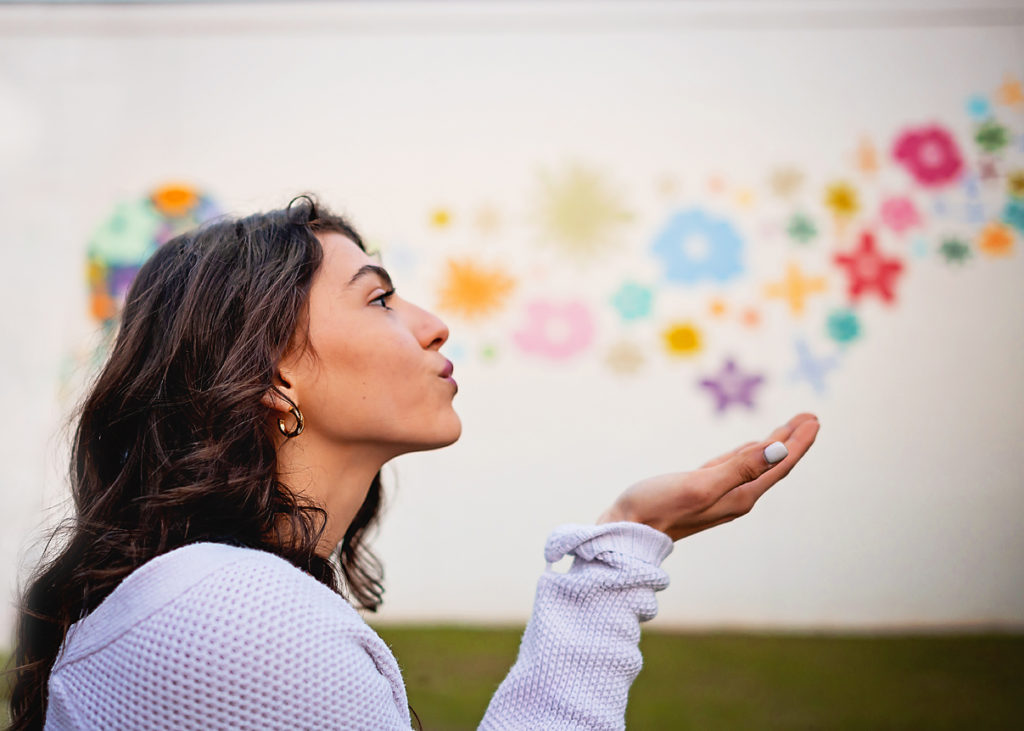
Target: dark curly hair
(172, 445)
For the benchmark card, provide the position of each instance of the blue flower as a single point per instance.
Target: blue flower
(978, 106)
(633, 301)
(695, 246)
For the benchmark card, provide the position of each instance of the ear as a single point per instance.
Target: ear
(277, 396)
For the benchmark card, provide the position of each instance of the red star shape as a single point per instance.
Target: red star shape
(869, 270)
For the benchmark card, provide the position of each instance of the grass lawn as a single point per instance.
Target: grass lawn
(738, 681)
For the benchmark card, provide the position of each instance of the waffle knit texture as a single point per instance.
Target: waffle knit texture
(213, 636)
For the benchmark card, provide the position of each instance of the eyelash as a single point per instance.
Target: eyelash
(384, 299)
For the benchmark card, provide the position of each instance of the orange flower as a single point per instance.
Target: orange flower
(175, 200)
(996, 239)
(471, 290)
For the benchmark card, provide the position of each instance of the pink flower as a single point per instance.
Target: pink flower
(900, 214)
(556, 330)
(930, 154)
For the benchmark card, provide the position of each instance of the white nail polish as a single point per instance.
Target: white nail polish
(775, 452)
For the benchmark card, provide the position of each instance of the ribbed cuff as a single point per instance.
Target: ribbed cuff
(589, 541)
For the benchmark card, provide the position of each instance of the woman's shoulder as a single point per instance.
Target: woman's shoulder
(195, 584)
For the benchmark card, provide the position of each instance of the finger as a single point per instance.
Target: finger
(779, 434)
(741, 499)
(783, 432)
(746, 465)
(727, 456)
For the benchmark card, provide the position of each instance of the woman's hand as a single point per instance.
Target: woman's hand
(683, 503)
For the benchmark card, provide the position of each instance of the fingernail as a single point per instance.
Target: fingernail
(775, 452)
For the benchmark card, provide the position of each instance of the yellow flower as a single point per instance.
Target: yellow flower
(841, 199)
(1015, 182)
(440, 218)
(682, 338)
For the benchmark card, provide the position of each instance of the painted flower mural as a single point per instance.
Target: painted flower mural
(930, 155)
(129, 234)
(900, 214)
(555, 330)
(693, 246)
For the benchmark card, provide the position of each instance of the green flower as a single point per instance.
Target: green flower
(992, 136)
(801, 228)
(955, 250)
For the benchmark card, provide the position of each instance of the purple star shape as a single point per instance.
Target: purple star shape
(732, 386)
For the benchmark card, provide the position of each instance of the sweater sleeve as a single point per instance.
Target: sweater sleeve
(255, 645)
(579, 653)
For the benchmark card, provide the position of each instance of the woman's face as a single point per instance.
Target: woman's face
(377, 377)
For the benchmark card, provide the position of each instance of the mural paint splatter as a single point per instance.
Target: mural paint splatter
(472, 290)
(580, 212)
(682, 339)
(795, 288)
(693, 245)
(732, 386)
(555, 330)
(868, 270)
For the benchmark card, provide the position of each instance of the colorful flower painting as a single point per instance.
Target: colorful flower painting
(930, 154)
(843, 325)
(868, 270)
(580, 212)
(900, 214)
(996, 239)
(130, 234)
(633, 301)
(792, 250)
(682, 338)
(555, 330)
(732, 386)
(472, 290)
(795, 287)
(694, 245)
(841, 198)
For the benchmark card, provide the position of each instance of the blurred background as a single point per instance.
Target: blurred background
(656, 231)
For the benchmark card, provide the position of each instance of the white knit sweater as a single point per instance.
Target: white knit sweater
(216, 636)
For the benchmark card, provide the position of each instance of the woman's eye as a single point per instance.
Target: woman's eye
(383, 299)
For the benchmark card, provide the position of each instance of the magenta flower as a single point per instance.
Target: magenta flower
(930, 154)
(899, 213)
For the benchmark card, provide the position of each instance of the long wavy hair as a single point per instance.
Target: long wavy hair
(172, 443)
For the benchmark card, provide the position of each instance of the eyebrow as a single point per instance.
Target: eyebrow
(367, 270)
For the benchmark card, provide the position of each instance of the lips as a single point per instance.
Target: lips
(448, 369)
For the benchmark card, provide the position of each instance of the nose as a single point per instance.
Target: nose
(430, 330)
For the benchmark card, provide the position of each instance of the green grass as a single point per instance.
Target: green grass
(725, 681)
(738, 681)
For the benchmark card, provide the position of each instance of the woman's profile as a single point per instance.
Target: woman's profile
(226, 467)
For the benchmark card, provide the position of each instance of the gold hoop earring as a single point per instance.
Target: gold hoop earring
(298, 423)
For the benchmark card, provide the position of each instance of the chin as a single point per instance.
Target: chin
(441, 437)
(454, 432)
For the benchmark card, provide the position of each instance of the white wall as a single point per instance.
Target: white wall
(907, 510)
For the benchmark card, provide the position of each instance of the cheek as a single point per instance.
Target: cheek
(367, 385)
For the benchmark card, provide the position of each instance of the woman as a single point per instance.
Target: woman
(226, 467)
